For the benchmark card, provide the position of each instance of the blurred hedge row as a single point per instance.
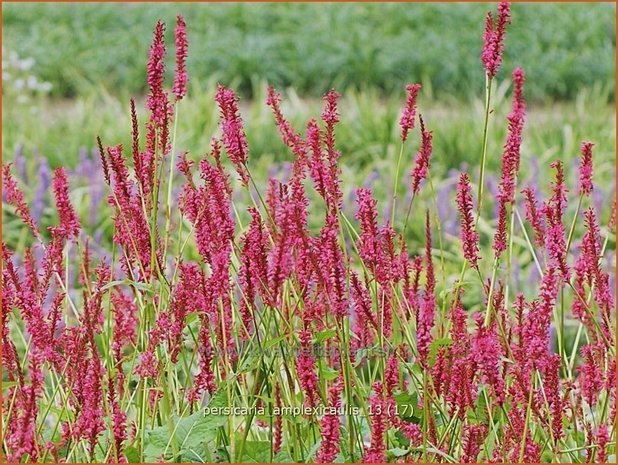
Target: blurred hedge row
(312, 47)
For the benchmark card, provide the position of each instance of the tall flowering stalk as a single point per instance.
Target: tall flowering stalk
(491, 57)
(423, 158)
(407, 120)
(329, 426)
(376, 451)
(493, 39)
(469, 237)
(585, 168)
(234, 138)
(158, 100)
(181, 78)
(510, 160)
(15, 197)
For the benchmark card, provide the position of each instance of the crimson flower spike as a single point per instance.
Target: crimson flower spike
(329, 426)
(510, 160)
(157, 101)
(104, 163)
(533, 215)
(376, 452)
(469, 237)
(288, 135)
(69, 223)
(234, 138)
(409, 112)
(423, 158)
(585, 169)
(14, 196)
(493, 39)
(182, 45)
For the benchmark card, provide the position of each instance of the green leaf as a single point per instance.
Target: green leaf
(127, 282)
(191, 433)
(283, 457)
(398, 452)
(314, 450)
(401, 439)
(255, 451)
(328, 373)
(192, 318)
(8, 384)
(132, 454)
(250, 363)
(324, 335)
(407, 406)
(272, 342)
(480, 411)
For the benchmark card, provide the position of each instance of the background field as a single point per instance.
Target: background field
(315, 47)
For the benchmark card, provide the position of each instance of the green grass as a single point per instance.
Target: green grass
(563, 47)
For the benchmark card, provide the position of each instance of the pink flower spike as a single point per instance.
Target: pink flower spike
(472, 439)
(156, 59)
(368, 242)
(182, 44)
(306, 369)
(234, 138)
(423, 158)
(534, 217)
(157, 101)
(512, 146)
(493, 39)
(69, 224)
(329, 426)
(289, 136)
(409, 112)
(376, 453)
(14, 196)
(602, 437)
(469, 237)
(585, 169)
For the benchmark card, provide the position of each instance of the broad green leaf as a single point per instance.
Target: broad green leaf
(191, 433)
(324, 335)
(398, 452)
(328, 373)
(132, 454)
(283, 457)
(127, 282)
(255, 451)
(250, 363)
(407, 406)
(272, 342)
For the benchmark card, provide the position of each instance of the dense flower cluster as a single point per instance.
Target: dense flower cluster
(289, 301)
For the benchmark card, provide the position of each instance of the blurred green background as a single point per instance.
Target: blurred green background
(314, 47)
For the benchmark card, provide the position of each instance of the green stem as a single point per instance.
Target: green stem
(396, 184)
(481, 188)
(405, 223)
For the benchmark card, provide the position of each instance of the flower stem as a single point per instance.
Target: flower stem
(481, 188)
